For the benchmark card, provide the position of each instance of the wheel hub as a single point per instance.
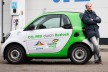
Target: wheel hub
(15, 54)
(79, 54)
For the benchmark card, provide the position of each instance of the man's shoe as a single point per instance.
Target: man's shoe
(99, 61)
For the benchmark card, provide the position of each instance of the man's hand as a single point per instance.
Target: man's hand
(91, 19)
(97, 17)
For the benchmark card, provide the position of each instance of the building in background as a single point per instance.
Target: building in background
(18, 13)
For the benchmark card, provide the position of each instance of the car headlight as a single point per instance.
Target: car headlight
(7, 36)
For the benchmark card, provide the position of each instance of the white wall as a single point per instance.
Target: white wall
(101, 8)
(36, 7)
(7, 17)
(21, 13)
(0, 17)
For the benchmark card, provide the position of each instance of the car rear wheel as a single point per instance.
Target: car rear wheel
(80, 54)
(15, 54)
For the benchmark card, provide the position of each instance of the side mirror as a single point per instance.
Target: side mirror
(31, 27)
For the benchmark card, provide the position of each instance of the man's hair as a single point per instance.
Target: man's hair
(87, 4)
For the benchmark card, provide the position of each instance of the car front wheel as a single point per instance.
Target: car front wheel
(15, 54)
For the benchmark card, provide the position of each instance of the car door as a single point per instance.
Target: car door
(49, 34)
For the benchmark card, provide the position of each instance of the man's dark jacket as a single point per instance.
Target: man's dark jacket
(90, 20)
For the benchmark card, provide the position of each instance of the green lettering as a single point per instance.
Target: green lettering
(29, 37)
(61, 34)
(67, 34)
(55, 35)
(38, 36)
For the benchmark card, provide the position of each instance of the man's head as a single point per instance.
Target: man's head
(88, 6)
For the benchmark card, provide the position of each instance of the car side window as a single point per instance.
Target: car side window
(46, 22)
(50, 21)
(39, 21)
(65, 23)
(65, 20)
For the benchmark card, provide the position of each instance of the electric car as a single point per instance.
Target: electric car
(52, 35)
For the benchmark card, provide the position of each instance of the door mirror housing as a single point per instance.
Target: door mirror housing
(31, 27)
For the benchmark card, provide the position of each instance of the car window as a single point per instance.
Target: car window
(39, 21)
(50, 21)
(65, 20)
(53, 22)
(65, 23)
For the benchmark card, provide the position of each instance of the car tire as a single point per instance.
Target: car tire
(79, 54)
(15, 54)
